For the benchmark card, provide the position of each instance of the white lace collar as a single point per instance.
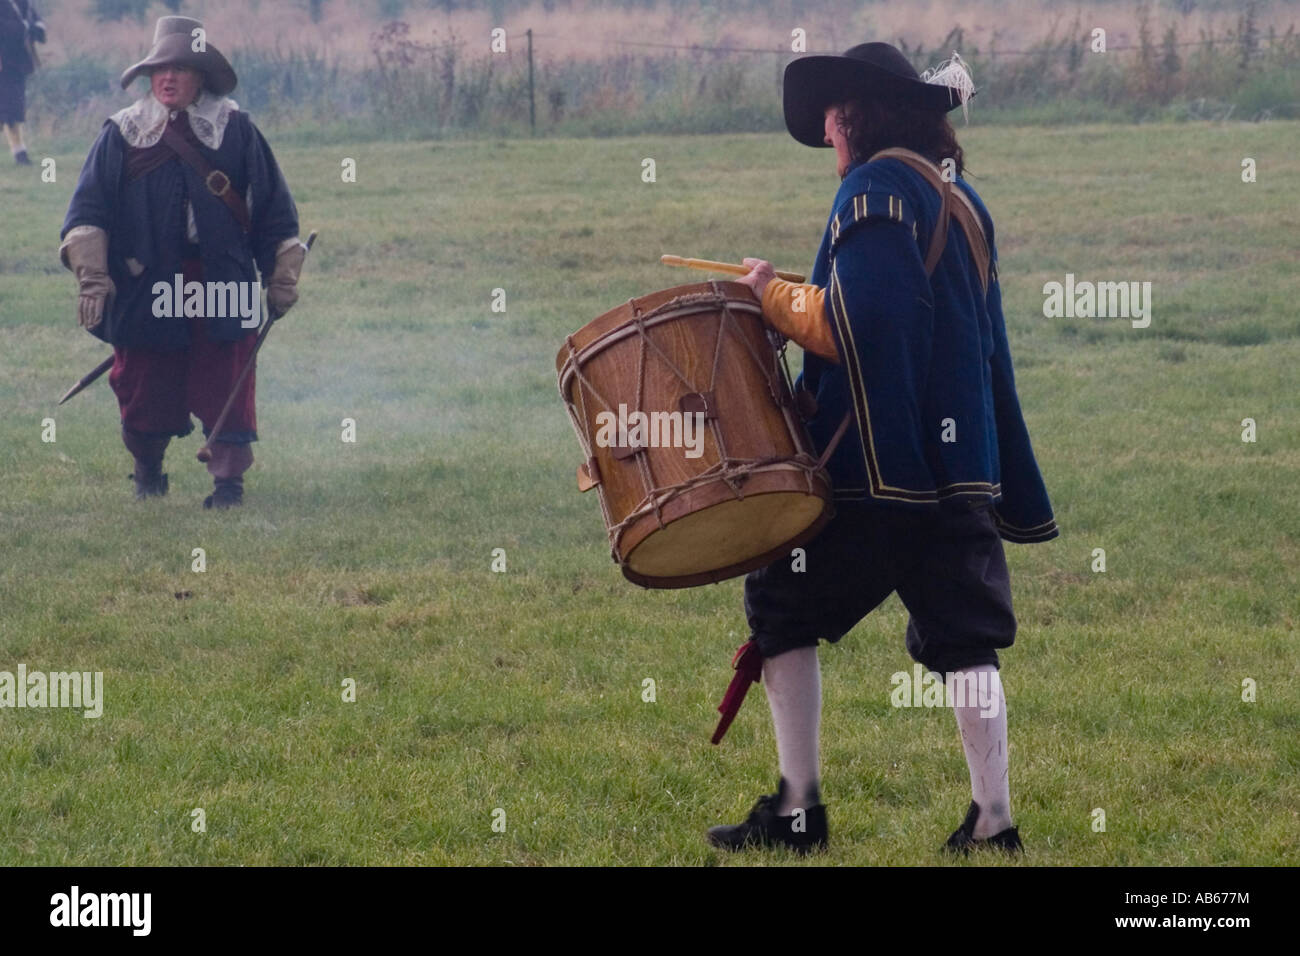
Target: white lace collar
(142, 122)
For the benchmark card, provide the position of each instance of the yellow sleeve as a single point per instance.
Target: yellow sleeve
(799, 313)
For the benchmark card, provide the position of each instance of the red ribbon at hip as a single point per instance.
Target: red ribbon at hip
(748, 664)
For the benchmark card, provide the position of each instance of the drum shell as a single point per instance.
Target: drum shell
(754, 416)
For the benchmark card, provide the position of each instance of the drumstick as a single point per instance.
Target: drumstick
(708, 265)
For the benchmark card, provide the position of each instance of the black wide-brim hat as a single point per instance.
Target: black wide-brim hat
(868, 70)
(173, 43)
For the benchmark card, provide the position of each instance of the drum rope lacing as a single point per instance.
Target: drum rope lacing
(731, 471)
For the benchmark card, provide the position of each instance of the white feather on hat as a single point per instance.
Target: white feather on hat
(954, 73)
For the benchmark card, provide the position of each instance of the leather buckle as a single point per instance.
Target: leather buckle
(225, 183)
(697, 402)
(588, 475)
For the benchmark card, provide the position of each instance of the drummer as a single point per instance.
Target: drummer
(937, 467)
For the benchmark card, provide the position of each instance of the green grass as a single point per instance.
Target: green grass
(522, 690)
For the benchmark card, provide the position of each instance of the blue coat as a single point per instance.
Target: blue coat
(926, 367)
(145, 221)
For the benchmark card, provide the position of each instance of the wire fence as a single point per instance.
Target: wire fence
(431, 86)
(993, 51)
(1248, 71)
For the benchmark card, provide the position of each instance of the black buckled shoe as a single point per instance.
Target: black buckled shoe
(962, 840)
(149, 483)
(763, 828)
(226, 493)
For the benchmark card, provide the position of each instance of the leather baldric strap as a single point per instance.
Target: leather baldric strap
(218, 183)
(954, 203)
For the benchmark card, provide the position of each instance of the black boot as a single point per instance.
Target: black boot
(21, 158)
(962, 841)
(149, 480)
(226, 493)
(764, 828)
(148, 451)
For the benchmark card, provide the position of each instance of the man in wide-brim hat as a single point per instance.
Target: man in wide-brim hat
(182, 194)
(905, 355)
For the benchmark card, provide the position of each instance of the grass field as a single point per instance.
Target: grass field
(522, 690)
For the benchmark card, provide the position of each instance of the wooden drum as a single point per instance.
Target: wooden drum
(715, 476)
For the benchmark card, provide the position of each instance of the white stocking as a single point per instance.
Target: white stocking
(794, 693)
(983, 725)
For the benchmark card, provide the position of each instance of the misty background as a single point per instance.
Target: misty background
(326, 70)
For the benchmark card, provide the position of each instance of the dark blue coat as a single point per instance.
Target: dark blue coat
(918, 351)
(145, 221)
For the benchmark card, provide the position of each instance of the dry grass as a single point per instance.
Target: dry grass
(589, 30)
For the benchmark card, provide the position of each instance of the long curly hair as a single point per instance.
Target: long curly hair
(870, 125)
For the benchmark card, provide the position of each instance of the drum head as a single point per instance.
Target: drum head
(727, 539)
